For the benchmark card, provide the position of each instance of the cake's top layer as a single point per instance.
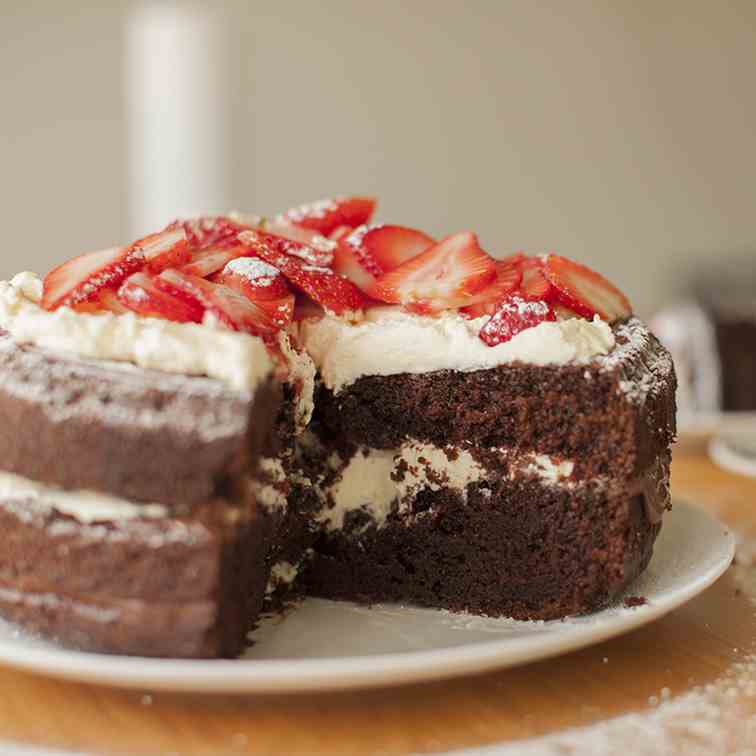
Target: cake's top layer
(390, 341)
(239, 360)
(362, 299)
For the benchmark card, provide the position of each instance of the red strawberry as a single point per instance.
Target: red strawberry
(167, 249)
(81, 279)
(340, 233)
(454, 267)
(383, 248)
(324, 216)
(280, 311)
(209, 231)
(140, 294)
(485, 302)
(319, 252)
(513, 316)
(320, 283)
(581, 289)
(232, 309)
(255, 278)
(107, 301)
(205, 262)
(347, 264)
(535, 286)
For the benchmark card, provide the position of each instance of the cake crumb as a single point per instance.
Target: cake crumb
(146, 700)
(633, 601)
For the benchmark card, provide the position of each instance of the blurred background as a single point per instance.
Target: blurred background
(622, 134)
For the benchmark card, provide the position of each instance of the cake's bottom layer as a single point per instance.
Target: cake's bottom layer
(141, 584)
(514, 548)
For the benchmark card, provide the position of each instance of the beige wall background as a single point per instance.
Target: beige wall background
(623, 134)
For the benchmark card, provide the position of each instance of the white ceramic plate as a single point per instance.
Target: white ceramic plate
(326, 645)
(735, 450)
(702, 425)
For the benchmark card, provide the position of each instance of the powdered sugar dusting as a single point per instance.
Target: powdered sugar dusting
(255, 271)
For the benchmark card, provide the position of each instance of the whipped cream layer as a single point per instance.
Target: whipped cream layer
(84, 506)
(389, 341)
(239, 360)
(377, 480)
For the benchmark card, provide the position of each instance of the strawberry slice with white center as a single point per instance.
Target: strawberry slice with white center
(319, 252)
(320, 283)
(340, 233)
(83, 278)
(107, 301)
(581, 289)
(535, 286)
(205, 262)
(325, 215)
(454, 267)
(255, 278)
(166, 249)
(346, 263)
(280, 311)
(209, 231)
(231, 308)
(512, 317)
(139, 294)
(485, 302)
(383, 248)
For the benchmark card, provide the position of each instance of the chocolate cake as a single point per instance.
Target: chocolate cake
(232, 413)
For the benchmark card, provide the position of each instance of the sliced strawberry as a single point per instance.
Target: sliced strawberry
(581, 289)
(317, 281)
(255, 278)
(140, 294)
(513, 316)
(454, 267)
(306, 309)
(167, 249)
(383, 248)
(340, 233)
(81, 279)
(324, 216)
(280, 311)
(107, 301)
(205, 262)
(346, 263)
(535, 286)
(232, 309)
(485, 302)
(319, 253)
(209, 231)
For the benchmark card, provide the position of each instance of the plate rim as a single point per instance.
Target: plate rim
(289, 676)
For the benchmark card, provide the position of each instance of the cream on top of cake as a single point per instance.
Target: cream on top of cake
(389, 341)
(239, 360)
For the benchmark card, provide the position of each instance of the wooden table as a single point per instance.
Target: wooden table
(692, 646)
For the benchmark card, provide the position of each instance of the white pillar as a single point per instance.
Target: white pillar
(178, 113)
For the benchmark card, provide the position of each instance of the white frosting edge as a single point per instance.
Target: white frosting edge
(389, 341)
(239, 360)
(84, 506)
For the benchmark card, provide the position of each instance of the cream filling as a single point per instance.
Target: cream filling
(85, 506)
(376, 480)
(389, 341)
(270, 485)
(239, 360)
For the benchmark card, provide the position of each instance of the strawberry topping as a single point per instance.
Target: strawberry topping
(583, 290)
(347, 263)
(209, 231)
(139, 294)
(454, 267)
(255, 278)
(83, 278)
(535, 286)
(320, 283)
(513, 316)
(167, 249)
(383, 248)
(485, 302)
(205, 262)
(231, 308)
(326, 215)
